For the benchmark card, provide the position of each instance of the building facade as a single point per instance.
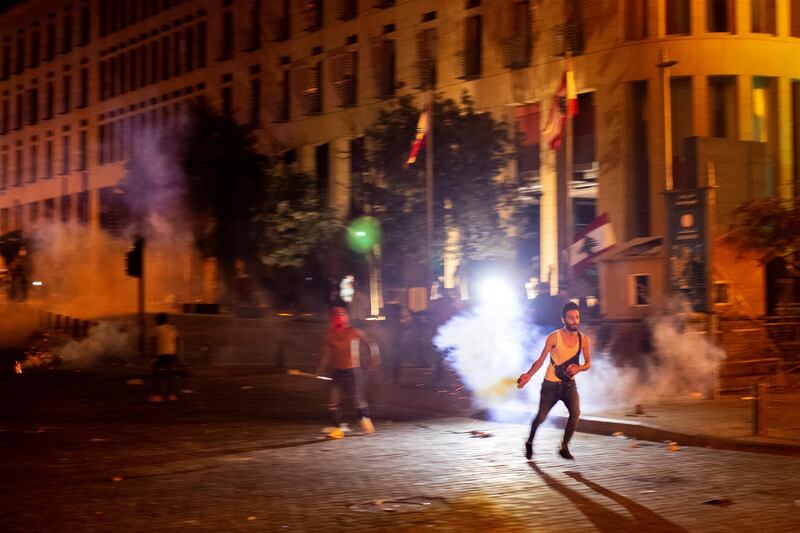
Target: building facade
(83, 82)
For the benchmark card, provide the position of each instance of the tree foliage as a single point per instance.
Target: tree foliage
(768, 226)
(295, 220)
(470, 150)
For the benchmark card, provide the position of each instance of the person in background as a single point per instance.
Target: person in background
(342, 352)
(164, 345)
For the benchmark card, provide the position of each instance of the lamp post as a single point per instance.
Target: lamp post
(665, 64)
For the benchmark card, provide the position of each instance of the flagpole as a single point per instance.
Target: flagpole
(429, 196)
(568, 163)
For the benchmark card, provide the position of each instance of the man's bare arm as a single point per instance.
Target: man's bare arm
(526, 377)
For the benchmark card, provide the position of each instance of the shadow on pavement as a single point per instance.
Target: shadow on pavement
(605, 519)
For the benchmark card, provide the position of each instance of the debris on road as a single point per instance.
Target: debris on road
(475, 433)
(724, 502)
(135, 381)
(117, 478)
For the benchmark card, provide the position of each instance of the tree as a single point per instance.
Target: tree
(225, 188)
(295, 220)
(768, 226)
(470, 150)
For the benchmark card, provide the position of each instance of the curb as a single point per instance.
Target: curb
(608, 426)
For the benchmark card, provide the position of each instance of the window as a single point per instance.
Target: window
(49, 209)
(348, 10)
(527, 125)
(6, 62)
(4, 221)
(201, 44)
(763, 16)
(677, 17)
(34, 168)
(4, 172)
(66, 208)
(635, 20)
(255, 103)
(178, 51)
(283, 26)
(345, 81)
(255, 26)
(312, 12)
(49, 107)
(722, 106)
(426, 58)
(572, 30)
(144, 70)
(83, 150)
(84, 91)
(20, 54)
(188, 49)
(35, 48)
(33, 106)
(66, 42)
(66, 91)
(226, 52)
(65, 154)
(154, 68)
(20, 111)
(764, 112)
(50, 49)
(83, 207)
(639, 290)
(322, 165)
(5, 120)
(48, 161)
(517, 47)
(18, 160)
(358, 166)
(720, 16)
(472, 48)
(794, 14)
(133, 70)
(33, 213)
(284, 106)
(86, 21)
(721, 294)
(384, 67)
(312, 95)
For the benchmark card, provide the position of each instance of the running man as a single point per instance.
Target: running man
(342, 351)
(565, 347)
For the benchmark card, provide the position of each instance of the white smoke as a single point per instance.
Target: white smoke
(490, 350)
(105, 342)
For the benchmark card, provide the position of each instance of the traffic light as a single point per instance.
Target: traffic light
(133, 259)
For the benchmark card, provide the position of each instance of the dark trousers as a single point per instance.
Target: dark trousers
(164, 374)
(347, 382)
(551, 393)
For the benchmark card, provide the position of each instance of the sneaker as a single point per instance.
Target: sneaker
(367, 426)
(564, 452)
(156, 398)
(344, 427)
(172, 397)
(528, 450)
(329, 429)
(336, 434)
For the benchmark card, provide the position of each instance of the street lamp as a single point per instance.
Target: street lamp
(665, 64)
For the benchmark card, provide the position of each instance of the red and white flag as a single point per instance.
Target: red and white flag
(565, 103)
(593, 240)
(419, 138)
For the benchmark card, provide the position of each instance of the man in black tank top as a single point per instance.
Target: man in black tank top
(565, 347)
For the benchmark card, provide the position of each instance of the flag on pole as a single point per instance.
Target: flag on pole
(419, 138)
(593, 240)
(565, 102)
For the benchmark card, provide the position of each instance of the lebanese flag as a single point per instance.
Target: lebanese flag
(565, 103)
(593, 240)
(416, 145)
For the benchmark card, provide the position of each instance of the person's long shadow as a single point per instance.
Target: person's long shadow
(641, 518)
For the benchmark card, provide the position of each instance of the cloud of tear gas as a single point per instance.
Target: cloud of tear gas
(490, 350)
(18, 324)
(104, 342)
(83, 268)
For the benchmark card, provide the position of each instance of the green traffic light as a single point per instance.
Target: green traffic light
(363, 233)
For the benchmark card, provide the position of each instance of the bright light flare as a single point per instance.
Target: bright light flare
(37, 283)
(497, 294)
(18, 367)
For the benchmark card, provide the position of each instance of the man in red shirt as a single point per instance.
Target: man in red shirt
(342, 351)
